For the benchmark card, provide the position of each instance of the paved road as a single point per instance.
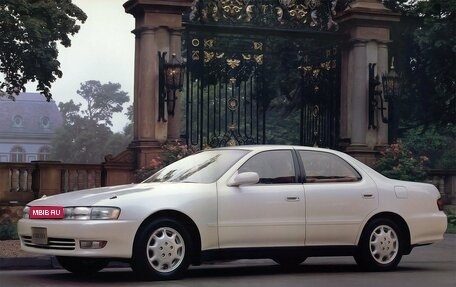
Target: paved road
(433, 265)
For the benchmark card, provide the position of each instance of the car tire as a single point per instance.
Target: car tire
(162, 250)
(381, 246)
(289, 261)
(81, 265)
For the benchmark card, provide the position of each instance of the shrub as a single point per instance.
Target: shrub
(8, 232)
(399, 162)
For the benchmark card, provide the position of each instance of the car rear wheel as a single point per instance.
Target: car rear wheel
(380, 247)
(81, 265)
(162, 250)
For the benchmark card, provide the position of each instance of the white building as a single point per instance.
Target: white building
(27, 126)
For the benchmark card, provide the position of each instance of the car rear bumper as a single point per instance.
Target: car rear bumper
(427, 229)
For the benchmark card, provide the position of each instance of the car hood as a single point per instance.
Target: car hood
(109, 195)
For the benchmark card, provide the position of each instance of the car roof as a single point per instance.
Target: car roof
(260, 148)
(276, 147)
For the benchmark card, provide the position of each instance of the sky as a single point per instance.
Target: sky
(102, 50)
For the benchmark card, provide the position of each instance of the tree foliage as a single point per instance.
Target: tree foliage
(103, 100)
(81, 142)
(85, 136)
(436, 143)
(29, 33)
(425, 47)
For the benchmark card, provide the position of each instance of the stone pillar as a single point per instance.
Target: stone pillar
(155, 26)
(359, 85)
(367, 23)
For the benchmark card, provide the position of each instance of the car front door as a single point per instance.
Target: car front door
(338, 199)
(267, 214)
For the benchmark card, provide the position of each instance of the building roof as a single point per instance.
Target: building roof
(29, 115)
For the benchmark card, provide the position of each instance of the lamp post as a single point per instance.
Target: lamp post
(171, 80)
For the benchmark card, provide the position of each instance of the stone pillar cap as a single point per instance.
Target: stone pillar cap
(367, 11)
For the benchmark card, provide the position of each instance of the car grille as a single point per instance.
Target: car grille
(53, 243)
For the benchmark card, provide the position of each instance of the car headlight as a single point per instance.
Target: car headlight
(91, 213)
(26, 212)
(84, 213)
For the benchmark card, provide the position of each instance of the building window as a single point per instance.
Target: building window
(18, 121)
(45, 122)
(44, 153)
(17, 154)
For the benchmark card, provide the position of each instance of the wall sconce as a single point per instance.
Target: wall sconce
(171, 80)
(373, 94)
(391, 89)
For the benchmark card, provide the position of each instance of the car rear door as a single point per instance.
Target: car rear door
(338, 199)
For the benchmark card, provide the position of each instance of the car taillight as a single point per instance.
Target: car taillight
(440, 203)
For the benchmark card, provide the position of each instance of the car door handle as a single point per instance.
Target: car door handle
(368, 195)
(292, 198)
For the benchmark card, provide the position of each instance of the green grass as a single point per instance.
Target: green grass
(451, 221)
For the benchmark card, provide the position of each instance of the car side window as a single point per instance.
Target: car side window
(273, 167)
(323, 167)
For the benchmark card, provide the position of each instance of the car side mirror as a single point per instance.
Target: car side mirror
(244, 178)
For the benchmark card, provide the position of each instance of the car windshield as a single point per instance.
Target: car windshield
(205, 167)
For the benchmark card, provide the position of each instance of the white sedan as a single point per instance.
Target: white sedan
(281, 202)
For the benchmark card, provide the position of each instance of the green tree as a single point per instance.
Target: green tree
(424, 46)
(70, 112)
(81, 142)
(438, 144)
(128, 129)
(29, 33)
(425, 49)
(103, 100)
(86, 136)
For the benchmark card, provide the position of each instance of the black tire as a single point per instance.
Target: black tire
(289, 261)
(162, 250)
(381, 246)
(81, 265)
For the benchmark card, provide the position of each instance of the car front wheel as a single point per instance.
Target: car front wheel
(380, 247)
(162, 250)
(81, 265)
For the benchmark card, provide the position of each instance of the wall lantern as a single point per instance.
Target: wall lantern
(391, 89)
(171, 80)
(390, 83)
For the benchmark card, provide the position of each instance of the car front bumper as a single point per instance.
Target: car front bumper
(64, 237)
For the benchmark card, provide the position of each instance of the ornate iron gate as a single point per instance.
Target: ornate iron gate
(248, 83)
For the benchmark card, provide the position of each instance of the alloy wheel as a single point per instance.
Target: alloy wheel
(165, 249)
(384, 244)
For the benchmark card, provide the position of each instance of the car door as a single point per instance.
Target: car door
(269, 213)
(338, 199)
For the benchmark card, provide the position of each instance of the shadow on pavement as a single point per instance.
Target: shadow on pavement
(127, 275)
